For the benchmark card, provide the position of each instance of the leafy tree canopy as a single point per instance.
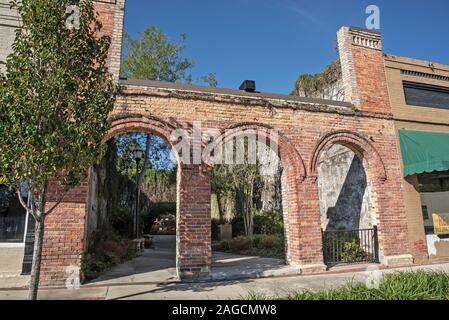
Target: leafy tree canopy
(154, 57)
(57, 95)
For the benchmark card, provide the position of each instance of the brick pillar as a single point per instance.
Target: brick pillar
(363, 69)
(64, 234)
(194, 254)
(310, 242)
(111, 14)
(365, 85)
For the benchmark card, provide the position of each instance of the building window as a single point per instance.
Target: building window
(12, 217)
(424, 95)
(434, 191)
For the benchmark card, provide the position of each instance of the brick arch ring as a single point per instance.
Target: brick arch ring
(357, 143)
(127, 122)
(290, 157)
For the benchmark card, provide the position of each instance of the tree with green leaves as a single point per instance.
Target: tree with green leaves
(154, 57)
(54, 104)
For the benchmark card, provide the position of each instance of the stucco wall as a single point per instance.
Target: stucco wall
(343, 188)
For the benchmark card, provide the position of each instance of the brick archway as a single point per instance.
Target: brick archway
(357, 143)
(293, 174)
(193, 225)
(374, 169)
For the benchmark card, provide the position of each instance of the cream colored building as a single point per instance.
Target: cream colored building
(419, 94)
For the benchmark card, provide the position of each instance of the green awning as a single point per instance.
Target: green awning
(424, 151)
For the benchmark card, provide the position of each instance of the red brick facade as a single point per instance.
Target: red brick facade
(305, 129)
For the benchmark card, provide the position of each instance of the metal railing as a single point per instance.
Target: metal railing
(350, 246)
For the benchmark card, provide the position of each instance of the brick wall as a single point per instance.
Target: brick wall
(65, 232)
(306, 128)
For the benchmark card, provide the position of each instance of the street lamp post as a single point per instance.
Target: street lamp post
(138, 155)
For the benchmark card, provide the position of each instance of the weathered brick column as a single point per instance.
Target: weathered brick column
(64, 237)
(365, 85)
(310, 256)
(194, 254)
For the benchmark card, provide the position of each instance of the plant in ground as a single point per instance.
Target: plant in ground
(417, 285)
(256, 245)
(107, 249)
(352, 252)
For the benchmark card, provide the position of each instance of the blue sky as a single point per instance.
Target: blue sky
(273, 41)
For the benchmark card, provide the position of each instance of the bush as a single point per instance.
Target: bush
(257, 245)
(417, 285)
(238, 226)
(241, 244)
(265, 222)
(268, 222)
(352, 252)
(122, 221)
(107, 249)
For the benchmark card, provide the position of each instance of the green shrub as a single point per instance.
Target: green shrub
(352, 252)
(257, 245)
(122, 221)
(238, 226)
(265, 222)
(268, 222)
(107, 249)
(225, 246)
(157, 211)
(417, 285)
(241, 244)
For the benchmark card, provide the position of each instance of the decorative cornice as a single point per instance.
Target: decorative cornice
(366, 38)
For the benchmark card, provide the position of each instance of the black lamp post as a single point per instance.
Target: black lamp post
(138, 155)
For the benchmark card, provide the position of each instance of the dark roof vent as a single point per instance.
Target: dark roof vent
(248, 86)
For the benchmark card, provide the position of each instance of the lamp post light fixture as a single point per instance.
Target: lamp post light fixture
(138, 155)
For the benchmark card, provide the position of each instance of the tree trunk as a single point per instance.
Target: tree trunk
(220, 209)
(37, 210)
(37, 255)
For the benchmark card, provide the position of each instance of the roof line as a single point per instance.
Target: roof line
(205, 89)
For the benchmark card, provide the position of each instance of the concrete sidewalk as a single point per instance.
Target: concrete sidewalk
(158, 265)
(209, 290)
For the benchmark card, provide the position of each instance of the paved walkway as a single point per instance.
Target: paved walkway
(158, 265)
(153, 276)
(210, 290)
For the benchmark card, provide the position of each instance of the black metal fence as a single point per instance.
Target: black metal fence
(350, 246)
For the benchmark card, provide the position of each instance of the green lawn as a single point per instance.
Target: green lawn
(419, 285)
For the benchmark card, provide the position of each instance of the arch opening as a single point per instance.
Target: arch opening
(254, 198)
(133, 206)
(348, 220)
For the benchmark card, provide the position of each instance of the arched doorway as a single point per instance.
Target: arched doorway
(347, 169)
(191, 259)
(270, 181)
